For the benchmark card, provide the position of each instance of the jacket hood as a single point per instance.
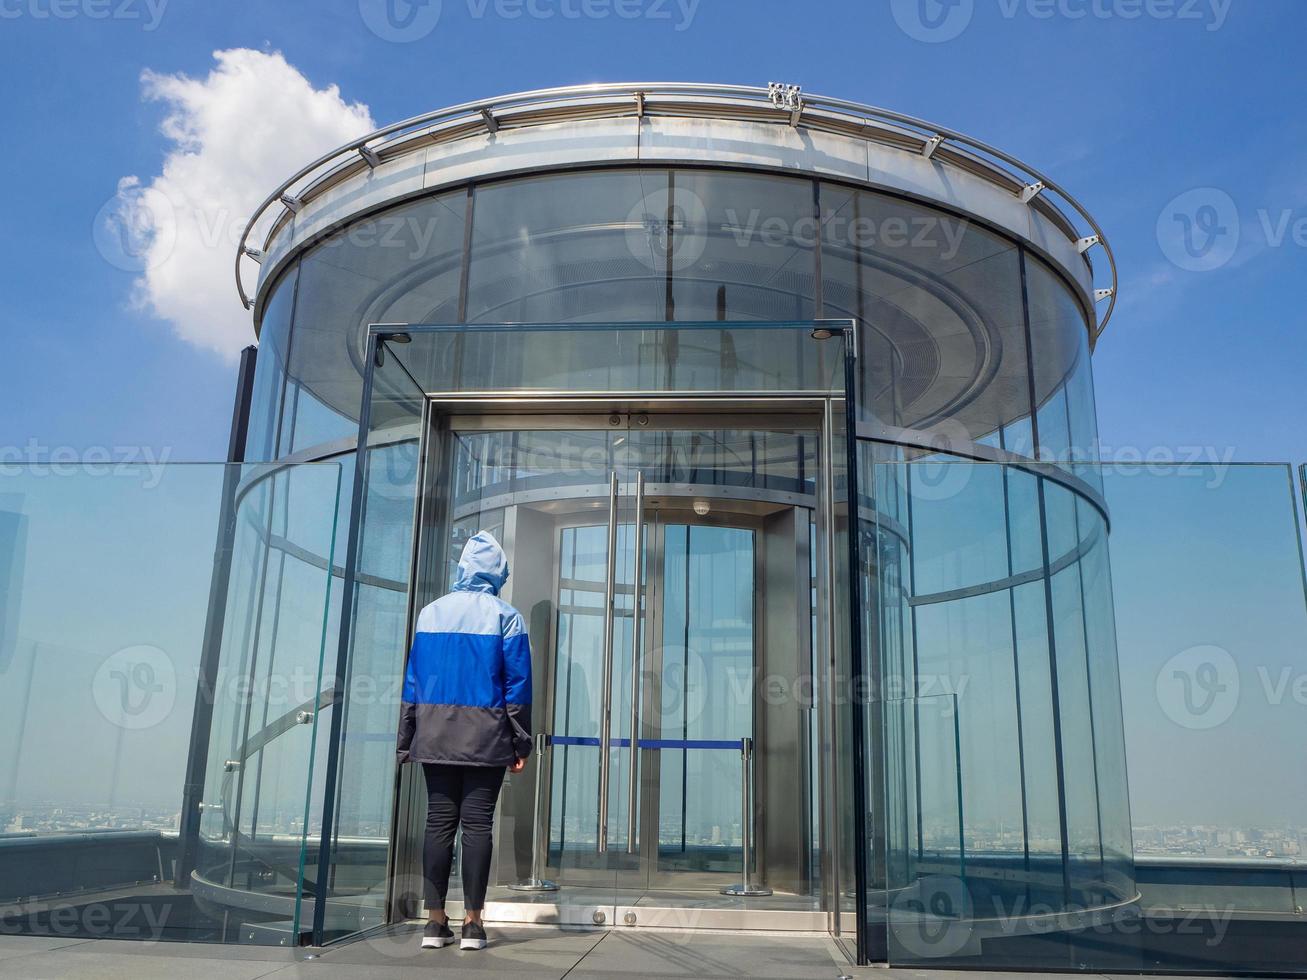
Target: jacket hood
(483, 566)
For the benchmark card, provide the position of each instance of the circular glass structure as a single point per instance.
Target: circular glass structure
(994, 757)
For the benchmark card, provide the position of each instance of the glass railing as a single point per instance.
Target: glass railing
(161, 648)
(991, 583)
(1212, 626)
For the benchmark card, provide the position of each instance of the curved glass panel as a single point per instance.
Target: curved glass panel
(988, 590)
(939, 302)
(939, 299)
(572, 247)
(1062, 376)
(401, 266)
(271, 371)
(132, 797)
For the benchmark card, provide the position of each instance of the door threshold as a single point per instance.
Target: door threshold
(649, 912)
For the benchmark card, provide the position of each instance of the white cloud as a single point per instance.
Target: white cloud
(234, 136)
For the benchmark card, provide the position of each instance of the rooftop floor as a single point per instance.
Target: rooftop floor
(537, 953)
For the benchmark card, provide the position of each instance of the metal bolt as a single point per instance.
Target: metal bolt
(629, 918)
(598, 918)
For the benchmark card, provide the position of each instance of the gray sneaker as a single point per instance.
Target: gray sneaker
(437, 935)
(474, 936)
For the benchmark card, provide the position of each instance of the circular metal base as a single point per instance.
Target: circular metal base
(534, 885)
(740, 891)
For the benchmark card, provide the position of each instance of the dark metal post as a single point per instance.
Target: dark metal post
(202, 716)
(869, 947)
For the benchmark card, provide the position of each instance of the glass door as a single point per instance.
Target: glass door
(663, 567)
(699, 670)
(552, 489)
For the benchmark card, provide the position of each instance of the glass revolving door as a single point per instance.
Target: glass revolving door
(664, 570)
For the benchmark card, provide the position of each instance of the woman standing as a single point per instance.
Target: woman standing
(466, 719)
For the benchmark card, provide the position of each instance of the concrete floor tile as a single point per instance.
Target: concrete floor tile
(691, 955)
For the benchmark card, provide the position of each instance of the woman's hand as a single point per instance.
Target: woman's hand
(517, 766)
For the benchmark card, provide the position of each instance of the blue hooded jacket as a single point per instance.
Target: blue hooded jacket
(467, 686)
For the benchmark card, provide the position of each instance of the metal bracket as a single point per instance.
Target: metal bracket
(293, 204)
(370, 157)
(255, 253)
(1085, 244)
(787, 98)
(492, 123)
(1032, 191)
(639, 105)
(932, 144)
(1102, 294)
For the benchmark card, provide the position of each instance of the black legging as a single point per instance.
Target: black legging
(459, 795)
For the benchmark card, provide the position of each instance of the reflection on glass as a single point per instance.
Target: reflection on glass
(133, 551)
(988, 585)
(707, 676)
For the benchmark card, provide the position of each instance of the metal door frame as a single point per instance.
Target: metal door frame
(800, 411)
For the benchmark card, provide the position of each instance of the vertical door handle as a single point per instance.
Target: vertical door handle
(605, 715)
(632, 770)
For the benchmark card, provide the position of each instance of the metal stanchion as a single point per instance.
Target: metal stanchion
(537, 882)
(746, 888)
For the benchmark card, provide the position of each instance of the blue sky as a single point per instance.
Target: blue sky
(1128, 103)
(1149, 111)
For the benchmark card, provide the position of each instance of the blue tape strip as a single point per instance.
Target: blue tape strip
(659, 744)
